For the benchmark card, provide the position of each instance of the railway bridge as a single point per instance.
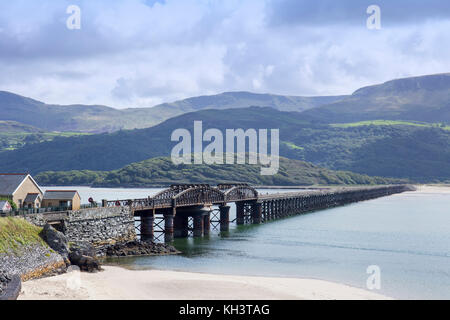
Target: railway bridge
(194, 209)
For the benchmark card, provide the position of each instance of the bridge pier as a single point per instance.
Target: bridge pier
(224, 218)
(271, 210)
(147, 229)
(198, 225)
(168, 228)
(181, 225)
(206, 224)
(240, 213)
(256, 213)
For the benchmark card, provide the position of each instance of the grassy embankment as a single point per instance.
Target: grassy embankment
(16, 233)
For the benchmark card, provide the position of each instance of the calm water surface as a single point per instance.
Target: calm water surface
(406, 235)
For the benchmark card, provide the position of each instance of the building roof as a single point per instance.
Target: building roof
(60, 194)
(9, 182)
(31, 197)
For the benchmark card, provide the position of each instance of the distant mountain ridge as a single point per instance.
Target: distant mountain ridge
(232, 100)
(424, 98)
(99, 119)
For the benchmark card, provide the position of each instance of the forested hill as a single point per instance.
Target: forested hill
(162, 172)
(419, 152)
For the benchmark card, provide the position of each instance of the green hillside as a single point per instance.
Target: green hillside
(115, 150)
(14, 135)
(14, 127)
(162, 172)
(401, 151)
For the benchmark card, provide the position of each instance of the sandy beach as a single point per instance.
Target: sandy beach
(439, 189)
(116, 283)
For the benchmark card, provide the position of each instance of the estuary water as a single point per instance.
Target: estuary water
(407, 236)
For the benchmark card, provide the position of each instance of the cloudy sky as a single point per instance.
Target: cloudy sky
(139, 53)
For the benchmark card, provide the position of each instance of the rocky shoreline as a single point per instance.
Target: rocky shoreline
(139, 248)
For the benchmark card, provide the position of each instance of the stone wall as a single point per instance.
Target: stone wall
(99, 226)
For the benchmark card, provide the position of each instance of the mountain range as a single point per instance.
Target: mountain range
(398, 129)
(99, 119)
(425, 98)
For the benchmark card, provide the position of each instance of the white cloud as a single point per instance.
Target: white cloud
(129, 54)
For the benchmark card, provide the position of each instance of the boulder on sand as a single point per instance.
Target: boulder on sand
(10, 286)
(82, 254)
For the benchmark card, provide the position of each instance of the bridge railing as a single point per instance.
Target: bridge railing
(140, 203)
(240, 192)
(199, 195)
(26, 211)
(185, 195)
(204, 194)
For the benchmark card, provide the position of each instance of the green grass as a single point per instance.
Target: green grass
(292, 146)
(66, 134)
(16, 233)
(15, 140)
(390, 123)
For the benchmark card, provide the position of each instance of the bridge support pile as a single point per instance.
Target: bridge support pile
(224, 218)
